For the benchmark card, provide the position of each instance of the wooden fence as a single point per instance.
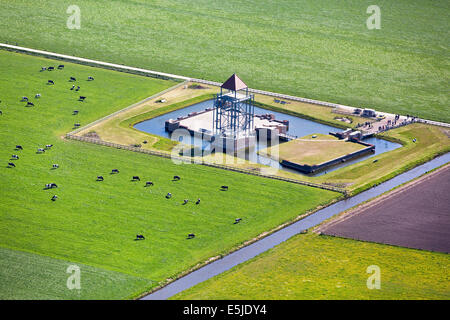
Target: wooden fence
(169, 155)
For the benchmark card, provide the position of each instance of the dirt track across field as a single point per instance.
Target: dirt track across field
(416, 215)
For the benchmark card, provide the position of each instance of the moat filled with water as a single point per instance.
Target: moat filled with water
(297, 127)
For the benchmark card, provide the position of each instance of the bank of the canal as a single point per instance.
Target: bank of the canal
(260, 246)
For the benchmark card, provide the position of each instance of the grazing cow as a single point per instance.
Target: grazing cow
(50, 186)
(24, 99)
(78, 88)
(37, 96)
(55, 166)
(185, 201)
(136, 178)
(237, 220)
(61, 66)
(191, 236)
(76, 125)
(100, 178)
(114, 171)
(30, 104)
(81, 98)
(1, 113)
(15, 156)
(48, 146)
(73, 87)
(72, 79)
(19, 147)
(224, 188)
(90, 78)
(176, 178)
(198, 201)
(140, 237)
(43, 69)
(50, 82)
(54, 197)
(148, 183)
(10, 164)
(75, 112)
(51, 68)
(169, 195)
(40, 150)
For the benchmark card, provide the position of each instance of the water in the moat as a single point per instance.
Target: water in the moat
(297, 127)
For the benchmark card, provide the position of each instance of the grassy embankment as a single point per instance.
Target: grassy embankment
(310, 266)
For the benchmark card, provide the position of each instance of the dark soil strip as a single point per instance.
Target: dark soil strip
(416, 215)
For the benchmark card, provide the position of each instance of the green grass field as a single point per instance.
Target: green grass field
(313, 48)
(28, 276)
(94, 224)
(321, 267)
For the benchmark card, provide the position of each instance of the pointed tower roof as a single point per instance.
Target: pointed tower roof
(234, 83)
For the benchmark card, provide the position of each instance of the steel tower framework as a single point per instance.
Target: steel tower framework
(233, 109)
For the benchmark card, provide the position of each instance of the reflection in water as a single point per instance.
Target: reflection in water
(297, 127)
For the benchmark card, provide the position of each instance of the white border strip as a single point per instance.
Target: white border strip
(177, 77)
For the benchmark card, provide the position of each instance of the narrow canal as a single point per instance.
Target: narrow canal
(246, 253)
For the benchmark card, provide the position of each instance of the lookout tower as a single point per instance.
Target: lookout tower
(233, 115)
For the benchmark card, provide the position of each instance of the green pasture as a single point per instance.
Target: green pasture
(31, 276)
(317, 49)
(321, 267)
(93, 223)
